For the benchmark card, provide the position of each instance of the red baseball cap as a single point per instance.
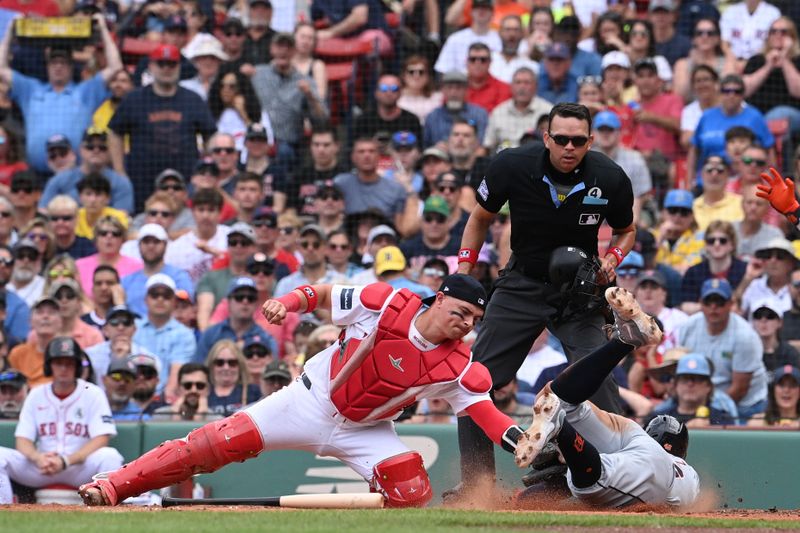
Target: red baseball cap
(165, 52)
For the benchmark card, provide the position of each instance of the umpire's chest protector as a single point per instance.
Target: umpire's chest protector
(376, 377)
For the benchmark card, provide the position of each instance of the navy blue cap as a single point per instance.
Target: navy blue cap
(463, 287)
(716, 286)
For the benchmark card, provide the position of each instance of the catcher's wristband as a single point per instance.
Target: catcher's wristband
(617, 252)
(510, 438)
(311, 297)
(468, 255)
(291, 302)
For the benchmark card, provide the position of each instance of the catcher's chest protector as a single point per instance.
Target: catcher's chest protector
(378, 376)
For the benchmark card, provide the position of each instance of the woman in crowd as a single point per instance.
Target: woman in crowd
(234, 105)
(707, 49)
(608, 35)
(59, 268)
(642, 45)
(305, 40)
(705, 87)
(783, 401)
(37, 231)
(540, 32)
(12, 157)
(109, 234)
(230, 381)
(590, 93)
(418, 94)
(719, 259)
(256, 357)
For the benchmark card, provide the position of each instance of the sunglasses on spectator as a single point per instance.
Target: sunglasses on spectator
(124, 321)
(156, 213)
(435, 272)
(773, 254)
(120, 376)
(765, 314)
(478, 59)
(415, 71)
(288, 230)
(171, 187)
(310, 244)
(234, 243)
(593, 80)
(27, 189)
(66, 294)
(146, 372)
(7, 214)
(61, 218)
(57, 152)
(28, 255)
(10, 375)
(680, 211)
(563, 140)
(162, 63)
(6, 262)
(447, 188)
(732, 90)
(264, 269)
(714, 169)
(164, 295)
(780, 31)
(691, 378)
(262, 223)
(223, 149)
(244, 297)
(234, 33)
(109, 232)
(189, 385)
(60, 272)
(435, 218)
(334, 246)
(38, 236)
(747, 160)
(260, 353)
(219, 363)
(706, 33)
(388, 87)
(97, 147)
(330, 196)
(716, 240)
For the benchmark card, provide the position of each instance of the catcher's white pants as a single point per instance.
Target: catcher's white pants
(296, 418)
(635, 467)
(14, 465)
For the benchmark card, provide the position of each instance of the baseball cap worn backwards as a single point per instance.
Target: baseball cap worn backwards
(463, 287)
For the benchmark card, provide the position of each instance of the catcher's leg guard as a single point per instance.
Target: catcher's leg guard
(204, 450)
(403, 481)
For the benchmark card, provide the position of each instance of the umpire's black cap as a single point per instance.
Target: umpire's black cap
(464, 288)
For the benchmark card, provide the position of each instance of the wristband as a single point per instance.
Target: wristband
(64, 461)
(616, 251)
(291, 302)
(468, 255)
(311, 297)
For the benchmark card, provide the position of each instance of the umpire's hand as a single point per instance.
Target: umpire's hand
(607, 264)
(274, 311)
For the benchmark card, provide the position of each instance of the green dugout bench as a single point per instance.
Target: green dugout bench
(746, 469)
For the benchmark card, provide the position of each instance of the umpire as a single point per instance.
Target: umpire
(559, 194)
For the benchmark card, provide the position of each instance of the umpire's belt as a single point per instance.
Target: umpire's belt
(306, 380)
(537, 271)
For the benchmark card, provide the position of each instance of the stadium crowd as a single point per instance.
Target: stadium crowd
(164, 177)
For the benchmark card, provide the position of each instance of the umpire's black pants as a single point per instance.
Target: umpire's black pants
(519, 309)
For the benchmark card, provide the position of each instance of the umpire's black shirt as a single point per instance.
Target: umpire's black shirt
(551, 209)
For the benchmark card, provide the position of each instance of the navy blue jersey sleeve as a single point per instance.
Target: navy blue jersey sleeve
(492, 190)
(620, 213)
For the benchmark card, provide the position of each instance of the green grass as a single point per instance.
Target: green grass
(385, 521)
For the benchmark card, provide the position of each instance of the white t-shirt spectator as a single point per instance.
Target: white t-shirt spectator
(746, 33)
(454, 52)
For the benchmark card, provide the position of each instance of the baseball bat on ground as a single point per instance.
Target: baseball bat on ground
(360, 500)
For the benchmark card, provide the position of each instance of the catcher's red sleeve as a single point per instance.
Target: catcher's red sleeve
(374, 295)
(490, 419)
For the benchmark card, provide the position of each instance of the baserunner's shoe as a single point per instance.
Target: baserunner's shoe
(631, 325)
(548, 416)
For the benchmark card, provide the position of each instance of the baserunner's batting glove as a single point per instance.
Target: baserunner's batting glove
(779, 192)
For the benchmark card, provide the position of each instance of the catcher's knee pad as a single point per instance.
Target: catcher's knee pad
(403, 481)
(204, 450)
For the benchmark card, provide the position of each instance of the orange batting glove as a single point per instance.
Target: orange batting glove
(779, 192)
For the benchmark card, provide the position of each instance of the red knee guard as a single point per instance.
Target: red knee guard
(204, 450)
(403, 481)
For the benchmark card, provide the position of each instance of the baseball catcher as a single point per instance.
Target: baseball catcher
(611, 460)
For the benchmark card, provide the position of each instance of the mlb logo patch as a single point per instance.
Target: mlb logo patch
(483, 190)
(589, 219)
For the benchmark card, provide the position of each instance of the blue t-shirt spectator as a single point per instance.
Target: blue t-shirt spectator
(67, 183)
(223, 330)
(709, 136)
(440, 121)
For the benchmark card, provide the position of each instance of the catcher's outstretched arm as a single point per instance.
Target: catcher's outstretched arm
(780, 193)
(498, 426)
(301, 300)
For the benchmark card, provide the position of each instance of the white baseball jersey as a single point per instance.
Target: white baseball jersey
(64, 426)
(746, 33)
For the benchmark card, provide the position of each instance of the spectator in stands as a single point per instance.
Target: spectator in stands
(418, 93)
(361, 20)
(276, 375)
(248, 195)
(641, 45)
(265, 223)
(433, 272)
(159, 209)
(752, 161)
(62, 217)
(259, 33)
(119, 85)
(768, 277)
(256, 357)
(585, 62)
(751, 231)
(94, 160)
(606, 129)
(172, 342)
(440, 121)
(325, 164)
(15, 312)
(662, 14)
(106, 293)
(404, 153)
(222, 147)
(109, 234)
(206, 176)
(163, 139)
(172, 182)
(434, 161)
(628, 270)
(463, 147)
(709, 137)
(771, 78)
(298, 98)
(305, 38)
(60, 156)
(705, 88)
(719, 261)
(450, 187)
(25, 280)
(339, 251)
(69, 296)
(678, 241)
(233, 36)
(152, 243)
(8, 235)
(732, 346)
(37, 231)
(185, 312)
(94, 192)
(590, 93)
(556, 82)
(118, 383)
(657, 115)
(435, 239)
(235, 106)
(783, 401)
(745, 25)
(175, 33)
(378, 236)
(767, 322)
(144, 386)
(26, 189)
(28, 357)
(191, 400)
(651, 293)
(13, 390)
(119, 329)
(512, 54)
(483, 89)
(12, 157)
(512, 118)
(716, 203)
(540, 31)
(453, 56)
(791, 319)
(707, 49)
(693, 392)
(207, 57)
(58, 106)
(390, 267)
(364, 188)
(183, 252)
(737, 140)
(259, 143)
(230, 382)
(386, 117)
